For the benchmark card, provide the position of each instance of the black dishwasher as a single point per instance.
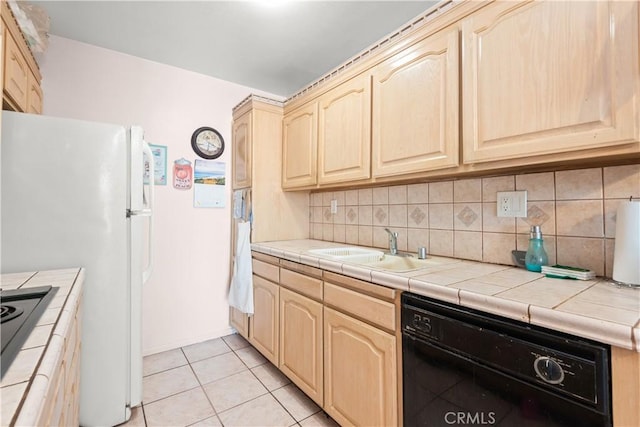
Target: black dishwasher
(466, 367)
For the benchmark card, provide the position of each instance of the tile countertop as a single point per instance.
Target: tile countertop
(595, 309)
(24, 383)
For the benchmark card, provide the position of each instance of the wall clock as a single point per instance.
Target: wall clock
(207, 143)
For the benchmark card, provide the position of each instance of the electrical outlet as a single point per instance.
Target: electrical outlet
(334, 206)
(512, 203)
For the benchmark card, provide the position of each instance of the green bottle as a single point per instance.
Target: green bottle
(536, 256)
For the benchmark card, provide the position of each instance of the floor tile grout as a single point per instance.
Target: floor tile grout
(246, 363)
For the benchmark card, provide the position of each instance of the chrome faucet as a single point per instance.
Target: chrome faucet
(393, 242)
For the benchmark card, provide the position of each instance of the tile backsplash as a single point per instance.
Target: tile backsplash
(576, 210)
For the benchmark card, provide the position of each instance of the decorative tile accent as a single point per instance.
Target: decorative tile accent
(326, 215)
(352, 215)
(536, 216)
(467, 216)
(417, 215)
(381, 216)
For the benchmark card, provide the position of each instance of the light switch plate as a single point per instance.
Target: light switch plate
(334, 206)
(512, 203)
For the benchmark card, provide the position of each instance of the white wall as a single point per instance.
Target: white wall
(185, 301)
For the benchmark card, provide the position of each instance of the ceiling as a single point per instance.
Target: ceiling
(277, 48)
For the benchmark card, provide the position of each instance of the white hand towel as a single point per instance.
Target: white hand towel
(238, 204)
(241, 289)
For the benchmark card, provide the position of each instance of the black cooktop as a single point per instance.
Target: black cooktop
(20, 310)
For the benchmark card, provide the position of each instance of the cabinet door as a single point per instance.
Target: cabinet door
(360, 372)
(241, 152)
(16, 73)
(239, 321)
(263, 328)
(301, 342)
(34, 96)
(300, 147)
(416, 108)
(542, 78)
(344, 136)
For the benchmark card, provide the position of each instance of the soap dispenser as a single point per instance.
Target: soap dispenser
(536, 256)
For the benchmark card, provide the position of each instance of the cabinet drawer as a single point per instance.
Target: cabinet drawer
(302, 284)
(369, 309)
(266, 270)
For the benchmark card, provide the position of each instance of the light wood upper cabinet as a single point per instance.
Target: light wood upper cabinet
(256, 164)
(300, 147)
(416, 107)
(301, 351)
(360, 372)
(20, 72)
(551, 77)
(263, 328)
(16, 73)
(241, 153)
(34, 96)
(344, 139)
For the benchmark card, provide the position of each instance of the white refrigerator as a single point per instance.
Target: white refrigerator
(73, 195)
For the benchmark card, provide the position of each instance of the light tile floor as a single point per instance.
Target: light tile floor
(221, 382)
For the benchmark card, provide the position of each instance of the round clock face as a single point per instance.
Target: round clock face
(207, 143)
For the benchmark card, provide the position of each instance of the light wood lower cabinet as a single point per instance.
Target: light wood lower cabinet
(336, 341)
(62, 405)
(301, 343)
(264, 325)
(360, 372)
(239, 321)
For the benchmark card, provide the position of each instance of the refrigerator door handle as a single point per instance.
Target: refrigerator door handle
(148, 211)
